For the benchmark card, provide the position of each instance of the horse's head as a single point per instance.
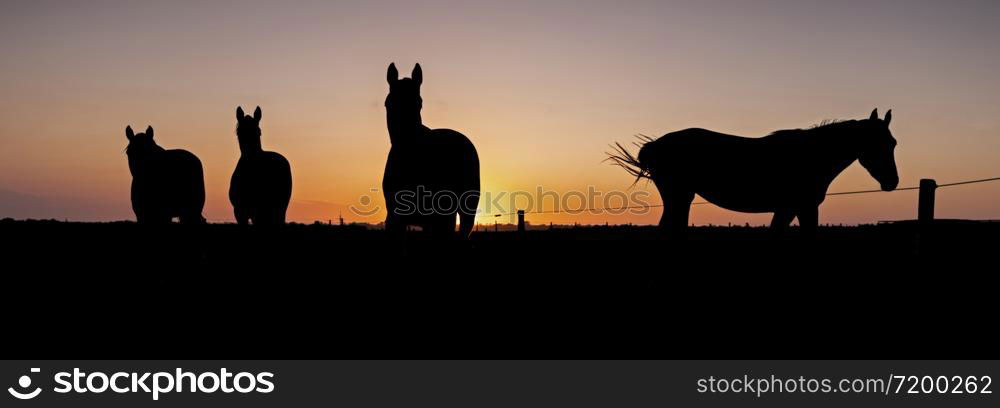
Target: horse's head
(877, 150)
(140, 147)
(248, 130)
(402, 106)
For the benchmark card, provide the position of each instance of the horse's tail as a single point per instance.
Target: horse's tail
(621, 157)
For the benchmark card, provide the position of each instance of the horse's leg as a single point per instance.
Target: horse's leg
(781, 220)
(395, 228)
(676, 211)
(665, 216)
(678, 222)
(444, 227)
(466, 223)
(191, 219)
(240, 213)
(277, 216)
(189, 213)
(808, 221)
(467, 215)
(256, 215)
(280, 214)
(268, 215)
(162, 217)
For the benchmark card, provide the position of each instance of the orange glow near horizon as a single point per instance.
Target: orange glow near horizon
(540, 89)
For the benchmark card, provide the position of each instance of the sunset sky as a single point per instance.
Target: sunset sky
(540, 87)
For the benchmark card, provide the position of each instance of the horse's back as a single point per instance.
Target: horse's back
(175, 187)
(701, 145)
(749, 174)
(278, 174)
(183, 162)
(264, 178)
(704, 138)
(187, 180)
(184, 170)
(456, 161)
(451, 144)
(274, 167)
(279, 163)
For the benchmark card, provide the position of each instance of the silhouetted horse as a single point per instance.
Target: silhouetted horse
(430, 174)
(786, 172)
(165, 183)
(262, 182)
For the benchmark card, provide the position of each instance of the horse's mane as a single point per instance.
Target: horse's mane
(828, 124)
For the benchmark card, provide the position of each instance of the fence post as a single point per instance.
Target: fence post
(520, 222)
(925, 207)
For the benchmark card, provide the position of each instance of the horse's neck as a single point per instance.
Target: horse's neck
(141, 167)
(838, 149)
(404, 134)
(250, 147)
(155, 154)
(404, 125)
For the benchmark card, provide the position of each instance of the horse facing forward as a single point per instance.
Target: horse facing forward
(787, 172)
(261, 186)
(165, 183)
(430, 174)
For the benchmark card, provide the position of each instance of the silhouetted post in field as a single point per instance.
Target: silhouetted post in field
(925, 215)
(925, 207)
(520, 222)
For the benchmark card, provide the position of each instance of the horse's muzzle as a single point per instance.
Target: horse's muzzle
(890, 185)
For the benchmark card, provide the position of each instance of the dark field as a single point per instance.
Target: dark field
(119, 290)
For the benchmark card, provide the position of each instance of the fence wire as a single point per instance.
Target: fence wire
(631, 207)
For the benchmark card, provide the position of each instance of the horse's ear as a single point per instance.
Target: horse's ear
(392, 75)
(129, 133)
(149, 131)
(888, 117)
(874, 114)
(417, 75)
(239, 113)
(257, 114)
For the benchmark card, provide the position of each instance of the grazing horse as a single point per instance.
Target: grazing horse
(787, 172)
(430, 174)
(165, 183)
(262, 182)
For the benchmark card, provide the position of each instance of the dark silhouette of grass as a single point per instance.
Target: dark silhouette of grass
(124, 290)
